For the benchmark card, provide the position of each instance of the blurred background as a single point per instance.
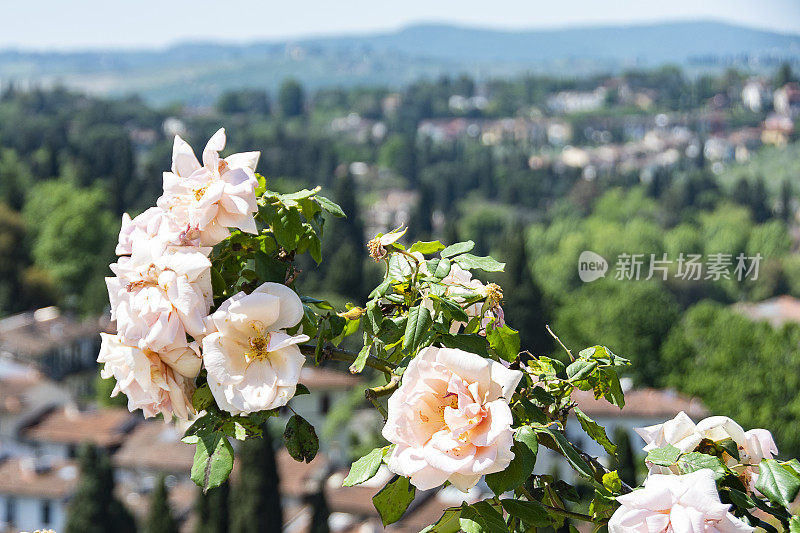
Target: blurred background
(655, 135)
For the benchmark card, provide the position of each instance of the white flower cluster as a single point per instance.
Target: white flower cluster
(161, 297)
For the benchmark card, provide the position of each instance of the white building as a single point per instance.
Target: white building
(34, 497)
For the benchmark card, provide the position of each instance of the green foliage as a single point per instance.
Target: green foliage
(159, 517)
(300, 439)
(713, 344)
(212, 510)
(94, 508)
(74, 240)
(393, 499)
(291, 98)
(256, 497)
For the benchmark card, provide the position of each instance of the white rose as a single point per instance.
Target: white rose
(253, 364)
(157, 300)
(676, 504)
(153, 382)
(214, 196)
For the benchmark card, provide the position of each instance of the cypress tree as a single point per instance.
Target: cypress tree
(160, 519)
(345, 245)
(93, 508)
(256, 503)
(523, 302)
(625, 462)
(212, 510)
(319, 511)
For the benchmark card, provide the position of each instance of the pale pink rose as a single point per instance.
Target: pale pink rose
(681, 432)
(450, 419)
(153, 382)
(156, 229)
(675, 504)
(214, 196)
(253, 364)
(158, 300)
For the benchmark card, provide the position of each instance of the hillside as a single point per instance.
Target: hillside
(197, 72)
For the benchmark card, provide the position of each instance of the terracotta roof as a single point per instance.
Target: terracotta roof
(653, 403)
(325, 378)
(103, 427)
(20, 478)
(777, 311)
(294, 475)
(155, 446)
(36, 332)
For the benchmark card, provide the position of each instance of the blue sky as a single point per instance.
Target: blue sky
(70, 24)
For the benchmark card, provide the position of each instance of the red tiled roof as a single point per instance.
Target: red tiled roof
(326, 378)
(155, 446)
(103, 427)
(777, 311)
(19, 478)
(641, 403)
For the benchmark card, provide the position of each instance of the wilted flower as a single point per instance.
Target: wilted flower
(377, 246)
(153, 382)
(214, 196)
(676, 504)
(157, 300)
(458, 277)
(681, 432)
(450, 419)
(253, 364)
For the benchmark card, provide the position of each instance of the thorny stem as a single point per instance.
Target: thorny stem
(550, 331)
(332, 353)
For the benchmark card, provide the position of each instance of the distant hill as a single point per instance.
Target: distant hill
(198, 72)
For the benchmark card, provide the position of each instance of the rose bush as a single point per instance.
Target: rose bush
(211, 328)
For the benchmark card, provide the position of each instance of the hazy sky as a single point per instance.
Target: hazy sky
(48, 24)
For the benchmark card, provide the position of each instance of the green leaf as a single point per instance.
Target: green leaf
(300, 439)
(426, 247)
(612, 482)
(488, 264)
(366, 467)
(439, 268)
(694, 461)
(453, 309)
(516, 472)
(472, 343)
(794, 524)
(447, 523)
(374, 319)
(481, 518)
(532, 513)
(664, 456)
(213, 460)
(301, 389)
(457, 248)
(419, 322)
(269, 269)
(527, 436)
(329, 206)
(730, 447)
(240, 428)
(202, 398)
(777, 482)
(568, 451)
(595, 431)
(504, 341)
(393, 499)
(580, 369)
(321, 304)
(361, 359)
